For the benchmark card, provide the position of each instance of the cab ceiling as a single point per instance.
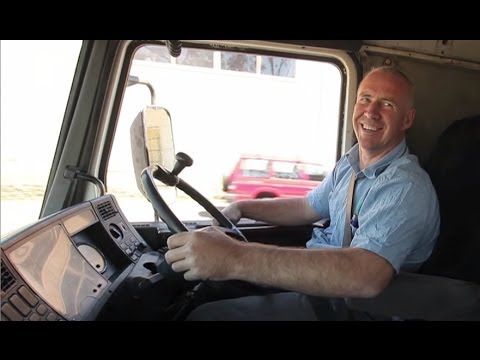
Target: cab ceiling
(467, 50)
(463, 50)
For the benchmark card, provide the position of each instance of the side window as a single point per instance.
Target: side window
(285, 170)
(254, 168)
(225, 104)
(314, 172)
(35, 83)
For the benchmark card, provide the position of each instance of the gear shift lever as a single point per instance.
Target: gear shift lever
(183, 160)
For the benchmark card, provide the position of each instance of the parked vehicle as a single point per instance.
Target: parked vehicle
(257, 176)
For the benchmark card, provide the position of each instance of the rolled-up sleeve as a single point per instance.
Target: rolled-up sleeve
(318, 198)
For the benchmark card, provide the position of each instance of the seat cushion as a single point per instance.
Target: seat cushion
(424, 297)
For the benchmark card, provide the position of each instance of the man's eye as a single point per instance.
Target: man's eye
(387, 104)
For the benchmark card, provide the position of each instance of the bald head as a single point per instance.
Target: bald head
(396, 72)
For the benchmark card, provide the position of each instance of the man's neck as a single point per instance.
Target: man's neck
(367, 158)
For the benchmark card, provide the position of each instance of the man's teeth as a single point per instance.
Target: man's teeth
(368, 127)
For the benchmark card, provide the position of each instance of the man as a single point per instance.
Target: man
(394, 223)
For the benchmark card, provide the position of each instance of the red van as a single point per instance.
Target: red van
(265, 177)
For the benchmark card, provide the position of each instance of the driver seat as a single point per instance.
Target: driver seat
(448, 284)
(455, 174)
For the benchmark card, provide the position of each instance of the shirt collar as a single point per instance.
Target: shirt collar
(372, 171)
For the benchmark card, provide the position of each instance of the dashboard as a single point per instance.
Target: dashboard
(68, 266)
(88, 262)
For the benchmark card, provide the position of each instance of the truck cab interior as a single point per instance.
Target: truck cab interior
(150, 125)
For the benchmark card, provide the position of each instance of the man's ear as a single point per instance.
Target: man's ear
(409, 118)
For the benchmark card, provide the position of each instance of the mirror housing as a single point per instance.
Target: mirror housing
(151, 140)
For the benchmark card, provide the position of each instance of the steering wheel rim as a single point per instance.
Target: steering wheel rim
(164, 211)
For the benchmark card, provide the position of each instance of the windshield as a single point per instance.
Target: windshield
(223, 105)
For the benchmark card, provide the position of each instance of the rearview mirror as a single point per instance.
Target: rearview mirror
(151, 139)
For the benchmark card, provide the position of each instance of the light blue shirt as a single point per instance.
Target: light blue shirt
(395, 203)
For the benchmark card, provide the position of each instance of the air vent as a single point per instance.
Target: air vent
(7, 279)
(106, 210)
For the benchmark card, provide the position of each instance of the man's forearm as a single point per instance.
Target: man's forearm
(348, 272)
(294, 211)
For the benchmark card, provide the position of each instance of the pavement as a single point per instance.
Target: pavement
(21, 192)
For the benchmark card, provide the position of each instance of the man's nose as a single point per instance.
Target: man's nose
(372, 110)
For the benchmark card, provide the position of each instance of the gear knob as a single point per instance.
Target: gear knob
(183, 160)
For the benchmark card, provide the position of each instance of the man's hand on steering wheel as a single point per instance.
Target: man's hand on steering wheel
(203, 254)
(231, 212)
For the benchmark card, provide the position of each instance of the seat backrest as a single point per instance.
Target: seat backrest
(454, 167)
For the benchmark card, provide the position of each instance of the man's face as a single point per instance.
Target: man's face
(382, 113)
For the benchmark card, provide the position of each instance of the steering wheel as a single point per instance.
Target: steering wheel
(151, 192)
(170, 178)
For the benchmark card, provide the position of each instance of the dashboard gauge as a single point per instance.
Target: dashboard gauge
(93, 256)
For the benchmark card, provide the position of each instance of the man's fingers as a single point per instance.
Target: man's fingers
(174, 255)
(191, 276)
(185, 267)
(180, 266)
(177, 240)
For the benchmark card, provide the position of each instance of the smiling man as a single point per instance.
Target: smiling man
(383, 112)
(392, 224)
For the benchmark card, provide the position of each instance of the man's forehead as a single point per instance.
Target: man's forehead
(382, 84)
